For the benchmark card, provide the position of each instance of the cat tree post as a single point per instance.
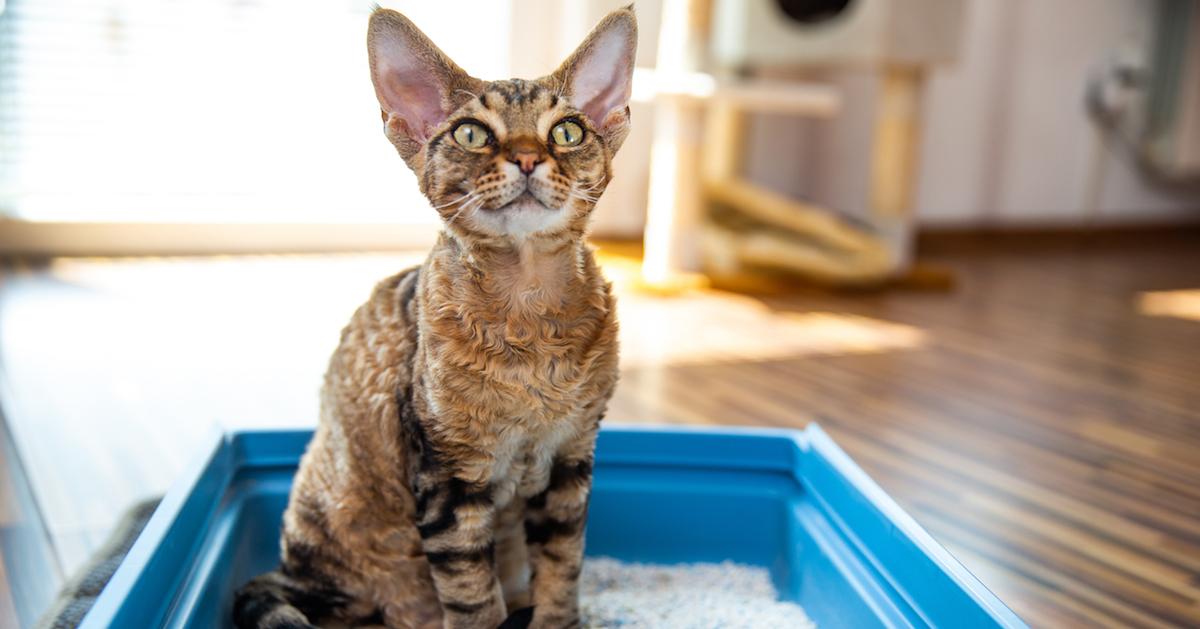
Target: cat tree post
(895, 158)
(675, 204)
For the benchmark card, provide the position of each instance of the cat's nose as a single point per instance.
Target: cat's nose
(526, 152)
(526, 160)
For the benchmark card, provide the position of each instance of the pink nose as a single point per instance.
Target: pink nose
(526, 160)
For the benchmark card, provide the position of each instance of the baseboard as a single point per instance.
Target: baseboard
(938, 239)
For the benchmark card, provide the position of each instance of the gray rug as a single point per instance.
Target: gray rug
(79, 594)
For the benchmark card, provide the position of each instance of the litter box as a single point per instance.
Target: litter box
(789, 501)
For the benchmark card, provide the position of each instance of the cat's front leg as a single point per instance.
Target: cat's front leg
(554, 526)
(455, 520)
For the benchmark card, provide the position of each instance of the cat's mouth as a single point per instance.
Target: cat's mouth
(523, 201)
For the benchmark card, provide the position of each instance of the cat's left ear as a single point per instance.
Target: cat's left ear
(418, 86)
(598, 76)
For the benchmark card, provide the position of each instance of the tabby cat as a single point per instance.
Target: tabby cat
(447, 483)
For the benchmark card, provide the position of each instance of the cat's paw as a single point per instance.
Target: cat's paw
(519, 619)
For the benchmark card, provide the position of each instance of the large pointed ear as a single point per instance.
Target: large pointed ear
(598, 76)
(417, 84)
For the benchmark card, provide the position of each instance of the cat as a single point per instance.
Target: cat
(447, 482)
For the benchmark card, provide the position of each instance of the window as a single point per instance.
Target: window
(223, 111)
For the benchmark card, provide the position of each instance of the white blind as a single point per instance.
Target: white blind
(211, 110)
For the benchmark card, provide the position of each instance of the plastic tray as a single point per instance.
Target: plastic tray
(790, 501)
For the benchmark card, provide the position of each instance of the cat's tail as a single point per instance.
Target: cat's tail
(269, 601)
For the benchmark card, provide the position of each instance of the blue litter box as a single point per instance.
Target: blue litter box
(790, 501)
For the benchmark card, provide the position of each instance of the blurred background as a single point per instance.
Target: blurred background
(963, 235)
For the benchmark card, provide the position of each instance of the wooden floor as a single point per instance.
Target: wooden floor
(1041, 419)
(1046, 430)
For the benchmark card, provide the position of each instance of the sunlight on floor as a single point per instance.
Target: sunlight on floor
(1184, 304)
(697, 325)
(707, 326)
(690, 327)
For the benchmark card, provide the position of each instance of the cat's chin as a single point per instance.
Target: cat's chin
(523, 216)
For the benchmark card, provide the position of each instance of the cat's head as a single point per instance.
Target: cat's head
(506, 160)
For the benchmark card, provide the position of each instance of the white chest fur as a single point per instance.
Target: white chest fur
(524, 458)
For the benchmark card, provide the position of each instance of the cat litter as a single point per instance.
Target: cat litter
(688, 596)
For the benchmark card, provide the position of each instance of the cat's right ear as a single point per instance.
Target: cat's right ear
(598, 76)
(414, 81)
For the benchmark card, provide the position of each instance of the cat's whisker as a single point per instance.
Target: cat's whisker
(457, 213)
(595, 185)
(473, 205)
(582, 193)
(586, 199)
(457, 199)
(460, 199)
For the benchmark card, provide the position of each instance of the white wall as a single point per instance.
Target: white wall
(1006, 138)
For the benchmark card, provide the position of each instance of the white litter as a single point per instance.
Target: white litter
(689, 596)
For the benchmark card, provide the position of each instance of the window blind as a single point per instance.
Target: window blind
(210, 110)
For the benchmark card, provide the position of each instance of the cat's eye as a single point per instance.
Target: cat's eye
(567, 133)
(471, 135)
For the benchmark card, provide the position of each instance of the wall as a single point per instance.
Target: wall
(1006, 139)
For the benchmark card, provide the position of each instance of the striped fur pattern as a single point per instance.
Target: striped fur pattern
(447, 482)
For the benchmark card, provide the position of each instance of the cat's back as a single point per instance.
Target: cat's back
(370, 367)
(382, 333)
(351, 490)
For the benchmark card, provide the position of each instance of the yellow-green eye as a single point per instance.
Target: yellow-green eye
(471, 135)
(567, 133)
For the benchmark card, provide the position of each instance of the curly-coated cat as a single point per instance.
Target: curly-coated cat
(447, 483)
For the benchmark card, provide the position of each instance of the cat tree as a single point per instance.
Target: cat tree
(700, 118)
